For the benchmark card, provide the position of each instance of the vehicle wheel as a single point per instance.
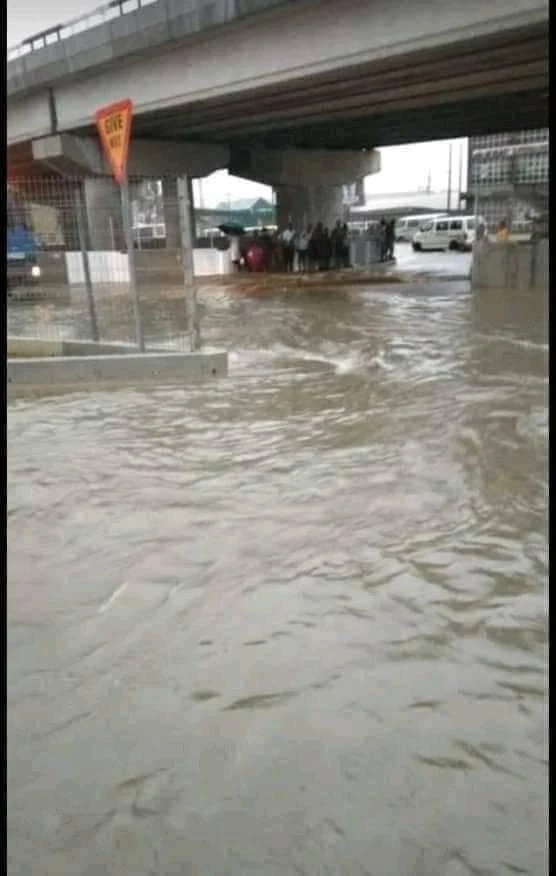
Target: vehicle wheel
(416, 247)
(454, 246)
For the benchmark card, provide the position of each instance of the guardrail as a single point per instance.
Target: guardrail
(59, 32)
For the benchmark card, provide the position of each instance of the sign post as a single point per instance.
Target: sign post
(114, 127)
(84, 244)
(185, 201)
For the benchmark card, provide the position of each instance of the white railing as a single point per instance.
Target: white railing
(58, 33)
(511, 149)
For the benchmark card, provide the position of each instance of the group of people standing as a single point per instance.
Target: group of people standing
(314, 249)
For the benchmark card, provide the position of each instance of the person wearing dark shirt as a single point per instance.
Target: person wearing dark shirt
(382, 231)
(389, 240)
(336, 245)
(315, 248)
(326, 250)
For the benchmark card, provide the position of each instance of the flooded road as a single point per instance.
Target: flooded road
(293, 622)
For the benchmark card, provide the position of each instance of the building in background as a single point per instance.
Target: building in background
(508, 174)
(396, 204)
(353, 194)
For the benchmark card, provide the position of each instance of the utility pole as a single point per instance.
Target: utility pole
(449, 198)
(460, 178)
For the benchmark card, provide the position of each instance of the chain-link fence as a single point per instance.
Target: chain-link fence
(73, 274)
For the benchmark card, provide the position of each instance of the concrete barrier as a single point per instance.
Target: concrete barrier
(510, 265)
(33, 347)
(112, 267)
(90, 372)
(21, 347)
(364, 251)
(210, 262)
(105, 267)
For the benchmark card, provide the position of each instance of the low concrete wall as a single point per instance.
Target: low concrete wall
(20, 347)
(115, 369)
(364, 251)
(112, 267)
(510, 265)
(105, 267)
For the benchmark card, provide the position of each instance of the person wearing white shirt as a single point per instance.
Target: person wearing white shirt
(235, 253)
(303, 248)
(288, 246)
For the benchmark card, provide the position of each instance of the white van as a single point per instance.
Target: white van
(447, 232)
(407, 226)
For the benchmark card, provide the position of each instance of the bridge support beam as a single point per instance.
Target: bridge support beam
(303, 205)
(309, 168)
(71, 155)
(307, 181)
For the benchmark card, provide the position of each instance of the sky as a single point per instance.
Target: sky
(403, 168)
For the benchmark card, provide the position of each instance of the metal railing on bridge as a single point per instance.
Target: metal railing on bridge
(59, 32)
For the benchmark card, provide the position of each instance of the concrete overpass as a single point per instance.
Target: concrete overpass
(285, 92)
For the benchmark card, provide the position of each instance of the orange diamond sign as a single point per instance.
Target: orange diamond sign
(114, 127)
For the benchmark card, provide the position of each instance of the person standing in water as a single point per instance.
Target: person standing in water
(389, 240)
(303, 248)
(326, 251)
(336, 245)
(235, 252)
(345, 248)
(382, 228)
(314, 247)
(288, 242)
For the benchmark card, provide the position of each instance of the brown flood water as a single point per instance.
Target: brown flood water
(292, 622)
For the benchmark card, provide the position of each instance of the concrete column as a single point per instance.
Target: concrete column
(313, 204)
(104, 213)
(67, 218)
(171, 212)
(192, 217)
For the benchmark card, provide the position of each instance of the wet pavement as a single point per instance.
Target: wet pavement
(295, 621)
(440, 264)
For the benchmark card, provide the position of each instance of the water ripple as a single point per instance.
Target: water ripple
(296, 619)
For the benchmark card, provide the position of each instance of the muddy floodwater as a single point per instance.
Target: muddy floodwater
(294, 621)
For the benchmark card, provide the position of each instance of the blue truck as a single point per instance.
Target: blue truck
(22, 246)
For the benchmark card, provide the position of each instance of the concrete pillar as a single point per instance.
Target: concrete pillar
(104, 213)
(67, 218)
(192, 217)
(171, 212)
(313, 204)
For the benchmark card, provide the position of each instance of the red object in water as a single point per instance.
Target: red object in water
(256, 258)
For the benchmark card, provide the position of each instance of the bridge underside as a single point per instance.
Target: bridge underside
(478, 87)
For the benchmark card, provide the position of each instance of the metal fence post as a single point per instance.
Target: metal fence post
(128, 233)
(82, 228)
(185, 202)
